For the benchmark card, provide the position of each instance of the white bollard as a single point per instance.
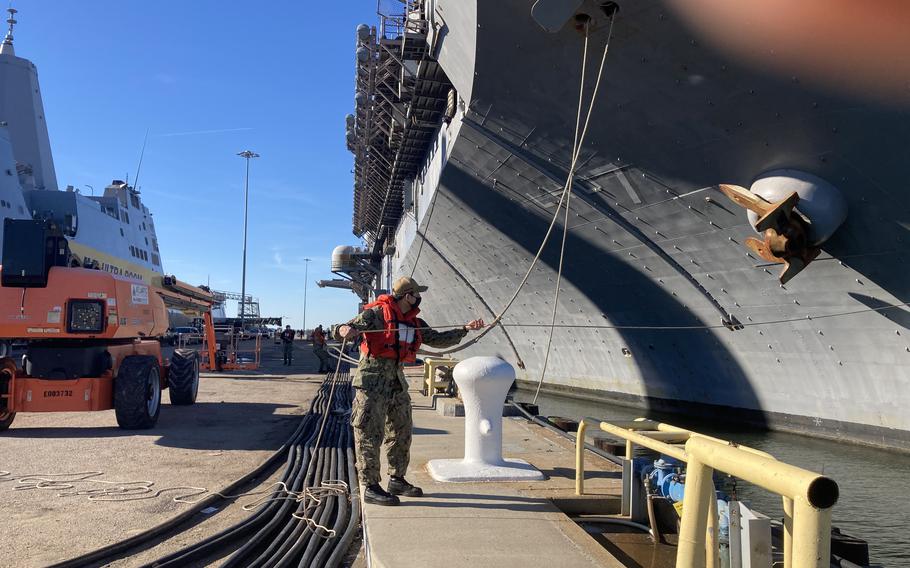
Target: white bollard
(483, 383)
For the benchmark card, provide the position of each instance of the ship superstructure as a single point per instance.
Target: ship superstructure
(113, 231)
(672, 297)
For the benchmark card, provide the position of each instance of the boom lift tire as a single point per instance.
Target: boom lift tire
(137, 392)
(7, 371)
(183, 377)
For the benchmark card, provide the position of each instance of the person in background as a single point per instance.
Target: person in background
(318, 338)
(391, 333)
(287, 338)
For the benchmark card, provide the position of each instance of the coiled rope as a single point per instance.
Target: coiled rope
(65, 484)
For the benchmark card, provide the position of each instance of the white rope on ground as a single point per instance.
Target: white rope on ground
(123, 490)
(576, 150)
(142, 489)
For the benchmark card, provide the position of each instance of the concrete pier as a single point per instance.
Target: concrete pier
(490, 524)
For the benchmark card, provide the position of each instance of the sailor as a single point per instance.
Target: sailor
(392, 333)
(287, 338)
(318, 338)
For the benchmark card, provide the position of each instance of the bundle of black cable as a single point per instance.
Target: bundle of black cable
(302, 526)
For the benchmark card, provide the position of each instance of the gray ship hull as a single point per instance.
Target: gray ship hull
(655, 255)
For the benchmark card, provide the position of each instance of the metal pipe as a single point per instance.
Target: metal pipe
(643, 440)
(652, 520)
(788, 532)
(811, 535)
(781, 478)
(812, 494)
(807, 496)
(607, 520)
(699, 491)
(580, 457)
(712, 555)
(306, 273)
(247, 154)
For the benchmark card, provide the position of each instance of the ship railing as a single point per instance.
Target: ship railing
(407, 18)
(808, 497)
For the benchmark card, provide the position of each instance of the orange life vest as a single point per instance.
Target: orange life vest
(401, 337)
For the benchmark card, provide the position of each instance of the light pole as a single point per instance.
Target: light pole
(306, 273)
(247, 154)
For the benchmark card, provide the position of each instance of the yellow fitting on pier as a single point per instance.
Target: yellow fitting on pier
(807, 496)
(429, 372)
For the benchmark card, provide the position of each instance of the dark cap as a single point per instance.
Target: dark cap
(405, 285)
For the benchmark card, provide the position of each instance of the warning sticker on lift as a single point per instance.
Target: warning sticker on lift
(53, 316)
(140, 294)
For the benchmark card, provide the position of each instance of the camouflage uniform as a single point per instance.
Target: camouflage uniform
(382, 405)
(319, 349)
(323, 355)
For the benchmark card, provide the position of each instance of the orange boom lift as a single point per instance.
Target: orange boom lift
(91, 336)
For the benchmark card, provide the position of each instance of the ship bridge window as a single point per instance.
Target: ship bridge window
(146, 241)
(134, 199)
(122, 234)
(156, 260)
(126, 217)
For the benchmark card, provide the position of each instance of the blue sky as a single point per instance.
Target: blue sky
(208, 79)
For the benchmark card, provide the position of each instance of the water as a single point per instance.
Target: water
(873, 501)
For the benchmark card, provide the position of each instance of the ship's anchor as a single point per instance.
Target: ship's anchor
(785, 231)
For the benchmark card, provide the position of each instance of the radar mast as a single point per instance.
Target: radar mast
(7, 47)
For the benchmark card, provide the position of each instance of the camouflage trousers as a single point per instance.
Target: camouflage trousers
(382, 413)
(323, 355)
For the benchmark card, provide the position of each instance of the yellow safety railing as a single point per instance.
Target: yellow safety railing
(807, 496)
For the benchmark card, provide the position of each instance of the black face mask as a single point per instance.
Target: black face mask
(417, 303)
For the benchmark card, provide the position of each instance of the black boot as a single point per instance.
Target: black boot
(400, 486)
(376, 495)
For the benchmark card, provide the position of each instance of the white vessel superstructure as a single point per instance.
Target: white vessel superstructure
(114, 230)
